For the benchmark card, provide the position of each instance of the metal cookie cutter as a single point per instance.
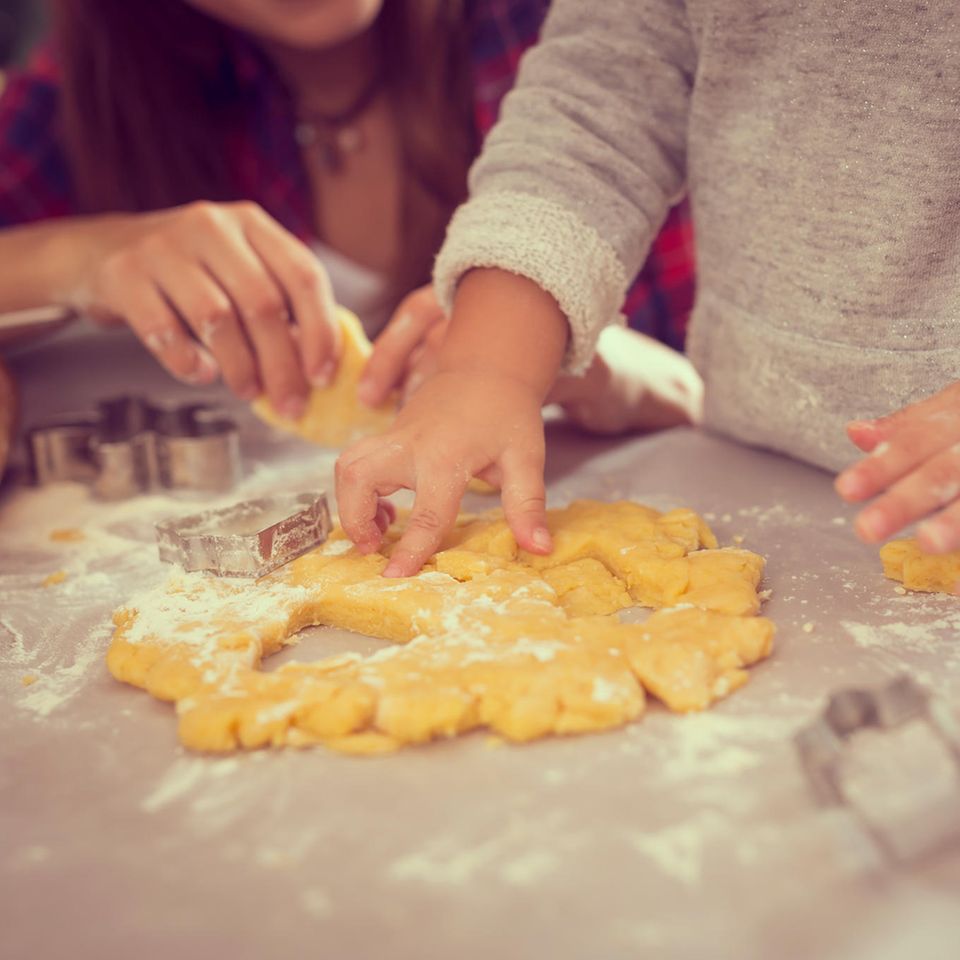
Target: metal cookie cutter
(249, 539)
(131, 446)
(823, 746)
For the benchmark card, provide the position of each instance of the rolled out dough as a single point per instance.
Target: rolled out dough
(486, 636)
(334, 416)
(903, 560)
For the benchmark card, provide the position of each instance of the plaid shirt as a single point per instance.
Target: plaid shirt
(268, 166)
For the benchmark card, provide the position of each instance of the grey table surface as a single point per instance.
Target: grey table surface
(679, 836)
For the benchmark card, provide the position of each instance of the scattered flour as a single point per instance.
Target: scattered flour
(679, 848)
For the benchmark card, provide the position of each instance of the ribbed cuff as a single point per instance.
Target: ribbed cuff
(546, 243)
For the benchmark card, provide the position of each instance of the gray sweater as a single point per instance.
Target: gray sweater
(820, 143)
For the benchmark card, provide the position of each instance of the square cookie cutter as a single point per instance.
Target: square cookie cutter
(131, 446)
(823, 745)
(249, 539)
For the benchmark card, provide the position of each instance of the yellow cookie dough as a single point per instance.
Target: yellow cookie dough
(486, 636)
(903, 560)
(334, 416)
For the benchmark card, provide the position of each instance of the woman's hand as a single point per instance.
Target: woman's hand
(218, 287)
(913, 469)
(405, 353)
(458, 425)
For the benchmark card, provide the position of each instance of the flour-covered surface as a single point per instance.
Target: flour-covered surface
(678, 837)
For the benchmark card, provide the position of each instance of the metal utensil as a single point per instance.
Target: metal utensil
(248, 539)
(823, 747)
(130, 446)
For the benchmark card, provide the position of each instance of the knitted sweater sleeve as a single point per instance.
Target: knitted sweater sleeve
(589, 154)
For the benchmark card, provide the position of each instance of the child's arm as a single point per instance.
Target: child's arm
(913, 468)
(570, 189)
(479, 415)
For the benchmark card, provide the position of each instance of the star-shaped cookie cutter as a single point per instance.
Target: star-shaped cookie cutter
(131, 446)
(249, 539)
(823, 744)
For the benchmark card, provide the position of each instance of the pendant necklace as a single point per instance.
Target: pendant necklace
(333, 135)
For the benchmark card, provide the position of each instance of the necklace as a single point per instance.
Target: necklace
(333, 135)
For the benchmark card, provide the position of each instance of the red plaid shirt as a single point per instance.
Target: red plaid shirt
(35, 178)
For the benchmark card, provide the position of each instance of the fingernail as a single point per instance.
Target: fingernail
(293, 408)
(159, 341)
(936, 538)
(848, 485)
(414, 383)
(392, 569)
(366, 392)
(871, 527)
(250, 392)
(324, 374)
(541, 539)
(205, 368)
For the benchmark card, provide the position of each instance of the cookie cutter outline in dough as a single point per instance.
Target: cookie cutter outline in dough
(249, 539)
(131, 446)
(822, 746)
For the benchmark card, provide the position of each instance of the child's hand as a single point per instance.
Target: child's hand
(217, 288)
(458, 425)
(405, 352)
(914, 463)
(635, 383)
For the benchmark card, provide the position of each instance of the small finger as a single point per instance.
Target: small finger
(524, 501)
(932, 486)
(308, 291)
(434, 513)
(393, 348)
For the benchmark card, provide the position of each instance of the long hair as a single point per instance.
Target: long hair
(147, 103)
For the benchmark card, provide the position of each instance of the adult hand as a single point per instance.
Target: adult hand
(458, 425)
(405, 353)
(913, 469)
(218, 288)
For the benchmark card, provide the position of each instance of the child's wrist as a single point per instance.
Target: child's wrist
(504, 325)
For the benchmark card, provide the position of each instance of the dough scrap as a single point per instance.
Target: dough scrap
(903, 560)
(486, 636)
(334, 416)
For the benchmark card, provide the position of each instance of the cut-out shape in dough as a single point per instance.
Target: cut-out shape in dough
(487, 636)
(903, 560)
(334, 416)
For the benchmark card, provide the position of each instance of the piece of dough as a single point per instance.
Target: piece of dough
(903, 560)
(334, 416)
(8, 415)
(487, 635)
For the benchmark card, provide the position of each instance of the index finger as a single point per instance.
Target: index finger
(359, 491)
(308, 291)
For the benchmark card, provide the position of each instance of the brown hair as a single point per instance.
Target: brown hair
(148, 100)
